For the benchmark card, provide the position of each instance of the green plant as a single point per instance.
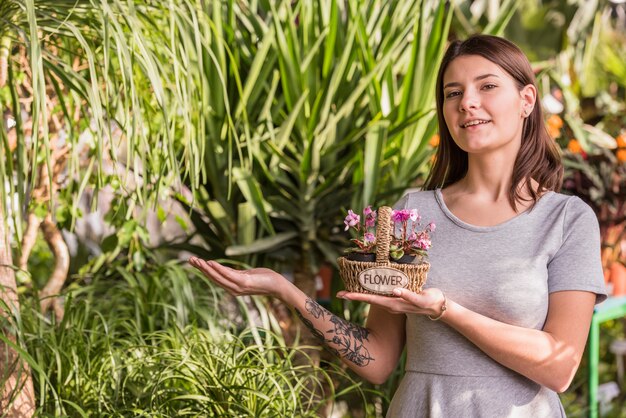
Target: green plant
(366, 240)
(156, 343)
(334, 119)
(591, 132)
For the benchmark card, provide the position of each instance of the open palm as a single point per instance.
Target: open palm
(256, 281)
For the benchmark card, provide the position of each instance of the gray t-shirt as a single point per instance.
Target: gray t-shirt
(505, 272)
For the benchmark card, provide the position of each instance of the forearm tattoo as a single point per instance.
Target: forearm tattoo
(347, 337)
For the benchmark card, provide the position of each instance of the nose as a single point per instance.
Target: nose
(470, 101)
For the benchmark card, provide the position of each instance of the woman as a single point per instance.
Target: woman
(515, 267)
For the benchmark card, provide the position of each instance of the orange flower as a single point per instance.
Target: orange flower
(554, 125)
(556, 121)
(574, 146)
(621, 140)
(621, 155)
(553, 132)
(434, 141)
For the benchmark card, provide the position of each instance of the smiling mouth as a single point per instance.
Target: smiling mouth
(474, 123)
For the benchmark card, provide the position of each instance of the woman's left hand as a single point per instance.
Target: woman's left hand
(427, 302)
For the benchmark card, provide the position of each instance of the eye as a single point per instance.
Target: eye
(489, 86)
(452, 94)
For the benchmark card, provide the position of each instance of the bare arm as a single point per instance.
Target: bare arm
(372, 351)
(549, 357)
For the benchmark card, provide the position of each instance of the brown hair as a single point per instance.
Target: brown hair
(538, 158)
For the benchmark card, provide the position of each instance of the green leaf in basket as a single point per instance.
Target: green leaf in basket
(396, 253)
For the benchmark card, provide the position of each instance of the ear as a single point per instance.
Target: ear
(528, 96)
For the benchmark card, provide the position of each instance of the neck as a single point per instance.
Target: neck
(489, 175)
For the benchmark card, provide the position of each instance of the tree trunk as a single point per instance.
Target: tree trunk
(17, 396)
(48, 296)
(28, 239)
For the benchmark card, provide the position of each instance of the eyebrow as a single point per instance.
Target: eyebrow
(480, 77)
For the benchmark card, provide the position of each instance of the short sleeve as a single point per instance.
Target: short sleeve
(577, 264)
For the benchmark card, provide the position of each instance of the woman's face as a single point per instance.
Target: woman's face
(483, 107)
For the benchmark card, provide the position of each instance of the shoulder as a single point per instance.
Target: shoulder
(573, 207)
(415, 198)
(574, 216)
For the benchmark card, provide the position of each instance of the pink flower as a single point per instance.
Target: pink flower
(407, 237)
(400, 215)
(351, 220)
(370, 217)
(423, 241)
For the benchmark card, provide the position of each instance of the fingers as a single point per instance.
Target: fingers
(214, 272)
(260, 281)
(392, 304)
(417, 301)
(407, 295)
(402, 301)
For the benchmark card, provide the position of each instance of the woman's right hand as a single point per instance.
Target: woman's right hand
(257, 281)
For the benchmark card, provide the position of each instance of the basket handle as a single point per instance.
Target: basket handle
(383, 234)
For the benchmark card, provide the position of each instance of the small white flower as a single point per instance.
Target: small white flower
(551, 104)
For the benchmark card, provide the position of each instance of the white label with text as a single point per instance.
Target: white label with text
(383, 279)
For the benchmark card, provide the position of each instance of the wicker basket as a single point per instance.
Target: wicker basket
(382, 276)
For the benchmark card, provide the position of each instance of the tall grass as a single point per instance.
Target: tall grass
(156, 343)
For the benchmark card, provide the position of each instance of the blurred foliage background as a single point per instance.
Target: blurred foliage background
(136, 133)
